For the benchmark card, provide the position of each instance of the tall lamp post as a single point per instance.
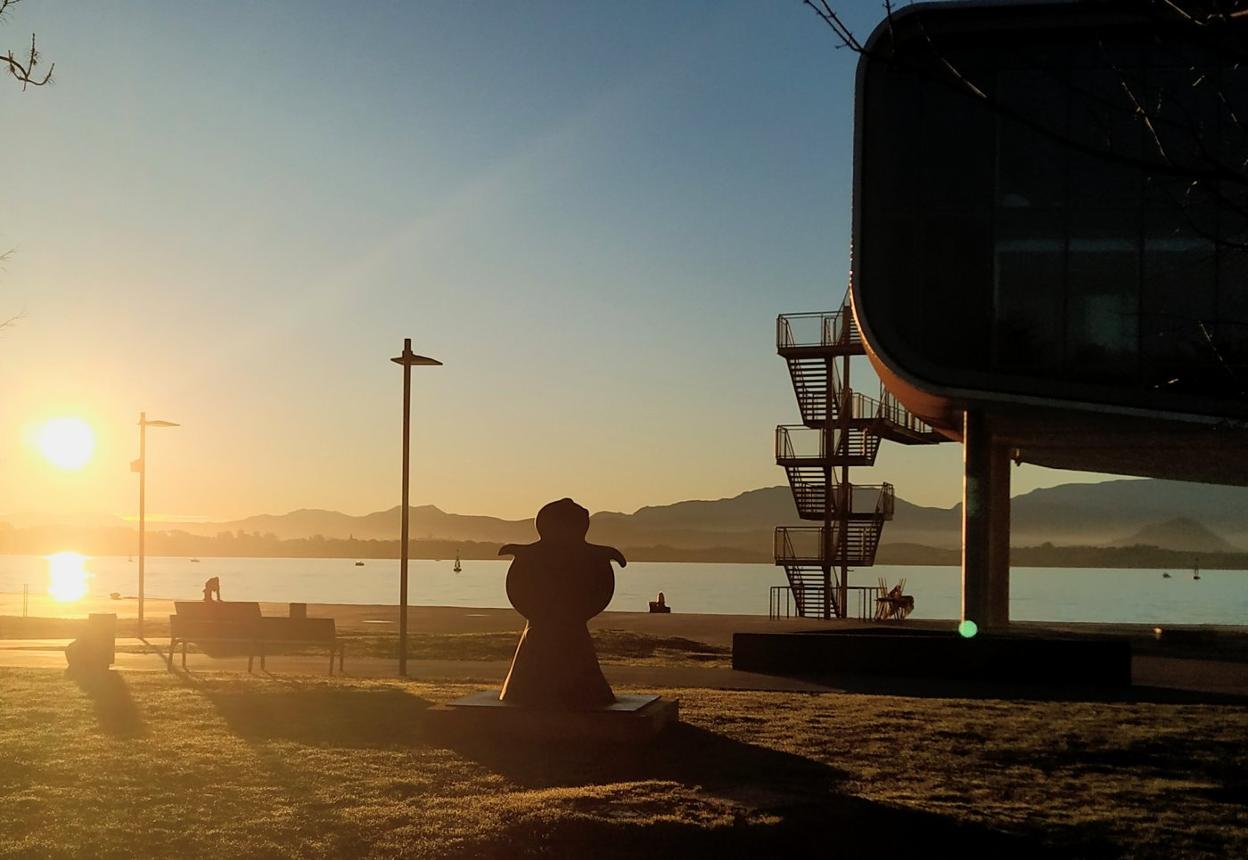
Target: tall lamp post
(409, 360)
(140, 466)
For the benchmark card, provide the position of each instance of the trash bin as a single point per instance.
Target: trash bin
(96, 649)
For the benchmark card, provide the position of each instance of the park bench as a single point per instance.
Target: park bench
(241, 623)
(276, 630)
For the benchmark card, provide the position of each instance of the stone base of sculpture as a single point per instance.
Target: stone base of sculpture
(628, 719)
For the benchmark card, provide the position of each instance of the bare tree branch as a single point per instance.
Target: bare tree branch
(25, 70)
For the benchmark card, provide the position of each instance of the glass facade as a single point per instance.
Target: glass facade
(1079, 230)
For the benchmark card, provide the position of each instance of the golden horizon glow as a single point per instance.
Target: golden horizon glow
(67, 576)
(66, 443)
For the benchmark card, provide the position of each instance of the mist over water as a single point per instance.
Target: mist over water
(1037, 594)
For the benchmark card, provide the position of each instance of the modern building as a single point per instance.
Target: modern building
(1051, 245)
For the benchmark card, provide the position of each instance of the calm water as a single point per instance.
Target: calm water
(1037, 594)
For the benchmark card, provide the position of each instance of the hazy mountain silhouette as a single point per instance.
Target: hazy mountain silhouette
(1179, 533)
(425, 521)
(1070, 514)
(1073, 514)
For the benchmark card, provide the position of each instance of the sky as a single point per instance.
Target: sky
(230, 216)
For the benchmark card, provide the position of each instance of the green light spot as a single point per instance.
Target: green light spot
(968, 628)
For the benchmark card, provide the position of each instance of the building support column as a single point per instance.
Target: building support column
(985, 525)
(998, 616)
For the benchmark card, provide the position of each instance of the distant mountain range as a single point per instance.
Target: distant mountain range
(1167, 514)
(1119, 513)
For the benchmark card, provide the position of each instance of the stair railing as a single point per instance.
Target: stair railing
(886, 504)
(891, 410)
(793, 442)
(784, 332)
(826, 328)
(784, 445)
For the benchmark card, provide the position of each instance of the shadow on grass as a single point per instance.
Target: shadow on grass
(624, 645)
(1214, 769)
(114, 708)
(794, 803)
(942, 688)
(315, 713)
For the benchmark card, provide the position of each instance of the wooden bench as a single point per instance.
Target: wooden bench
(276, 630)
(241, 623)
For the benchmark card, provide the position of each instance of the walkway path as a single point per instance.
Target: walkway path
(1196, 675)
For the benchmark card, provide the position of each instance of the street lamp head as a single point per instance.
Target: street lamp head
(146, 423)
(411, 359)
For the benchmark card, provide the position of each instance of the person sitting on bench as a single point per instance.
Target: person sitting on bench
(211, 587)
(660, 605)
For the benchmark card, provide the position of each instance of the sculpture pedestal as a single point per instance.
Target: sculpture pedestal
(630, 719)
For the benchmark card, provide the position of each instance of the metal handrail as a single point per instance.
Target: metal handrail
(787, 450)
(882, 506)
(836, 328)
(862, 536)
(866, 600)
(886, 504)
(780, 594)
(890, 409)
(784, 549)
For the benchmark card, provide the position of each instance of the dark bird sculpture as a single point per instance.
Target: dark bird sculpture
(558, 584)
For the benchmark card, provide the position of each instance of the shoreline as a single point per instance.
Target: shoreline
(382, 619)
(946, 558)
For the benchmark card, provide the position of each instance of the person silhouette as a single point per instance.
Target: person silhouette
(558, 583)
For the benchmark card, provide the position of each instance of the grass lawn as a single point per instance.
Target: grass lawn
(168, 765)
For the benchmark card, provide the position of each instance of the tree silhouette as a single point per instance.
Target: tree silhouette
(25, 66)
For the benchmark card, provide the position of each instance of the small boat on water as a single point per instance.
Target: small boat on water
(194, 561)
(1165, 574)
(1196, 570)
(458, 567)
(359, 564)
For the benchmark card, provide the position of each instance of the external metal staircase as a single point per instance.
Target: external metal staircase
(840, 429)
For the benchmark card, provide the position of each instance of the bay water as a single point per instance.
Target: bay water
(1036, 594)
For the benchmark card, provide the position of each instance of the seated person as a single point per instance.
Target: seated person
(212, 587)
(660, 605)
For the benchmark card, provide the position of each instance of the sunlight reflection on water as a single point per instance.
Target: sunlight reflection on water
(67, 576)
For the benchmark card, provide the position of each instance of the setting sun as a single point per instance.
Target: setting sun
(66, 443)
(67, 576)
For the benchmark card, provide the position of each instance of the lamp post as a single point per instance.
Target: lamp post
(140, 466)
(409, 360)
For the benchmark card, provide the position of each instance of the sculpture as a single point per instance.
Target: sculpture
(558, 584)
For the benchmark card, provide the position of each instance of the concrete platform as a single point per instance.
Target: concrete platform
(929, 654)
(630, 719)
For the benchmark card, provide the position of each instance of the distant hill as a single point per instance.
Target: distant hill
(1070, 514)
(425, 521)
(1179, 533)
(1170, 515)
(1101, 513)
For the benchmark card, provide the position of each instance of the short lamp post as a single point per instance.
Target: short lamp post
(409, 360)
(140, 466)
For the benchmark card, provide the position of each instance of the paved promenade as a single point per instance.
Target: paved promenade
(1215, 677)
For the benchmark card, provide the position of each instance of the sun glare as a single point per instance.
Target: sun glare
(67, 576)
(66, 443)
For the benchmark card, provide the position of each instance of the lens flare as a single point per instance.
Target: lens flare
(968, 629)
(66, 443)
(67, 576)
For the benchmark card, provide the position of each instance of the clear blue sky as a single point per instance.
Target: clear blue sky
(231, 214)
